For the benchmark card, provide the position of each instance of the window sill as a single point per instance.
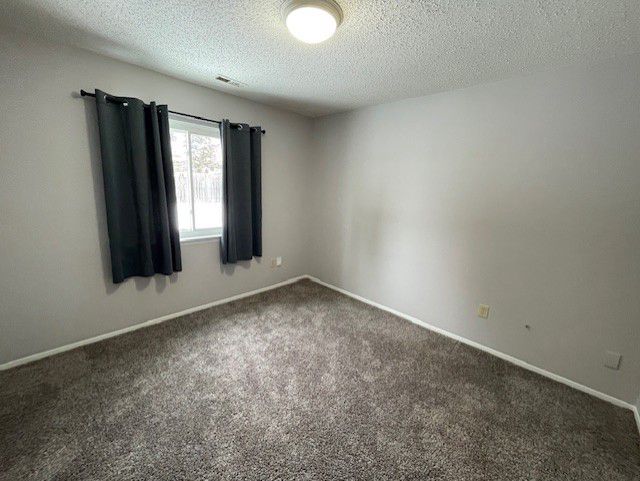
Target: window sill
(199, 239)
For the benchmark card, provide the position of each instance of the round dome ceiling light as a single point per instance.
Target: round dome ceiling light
(312, 21)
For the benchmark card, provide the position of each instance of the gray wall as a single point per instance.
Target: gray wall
(522, 194)
(55, 284)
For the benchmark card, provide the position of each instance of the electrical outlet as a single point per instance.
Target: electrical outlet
(612, 360)
(276, 261)
(483, 311)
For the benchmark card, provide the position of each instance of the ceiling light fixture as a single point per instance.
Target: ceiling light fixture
(312, 21)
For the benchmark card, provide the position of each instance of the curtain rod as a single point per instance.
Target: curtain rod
(84, 93)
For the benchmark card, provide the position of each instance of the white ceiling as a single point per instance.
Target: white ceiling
(384, 50)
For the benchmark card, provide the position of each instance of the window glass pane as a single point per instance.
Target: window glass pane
(207, 180)
(197, 159)
(180, 154)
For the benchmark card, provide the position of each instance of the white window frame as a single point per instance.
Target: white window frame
(194, 126)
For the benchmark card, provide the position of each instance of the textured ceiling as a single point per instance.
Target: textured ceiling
(384, 50)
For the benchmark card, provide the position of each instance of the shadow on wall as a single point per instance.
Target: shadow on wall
(229, 269)
(364, 239)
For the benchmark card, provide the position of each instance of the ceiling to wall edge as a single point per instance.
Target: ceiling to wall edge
(277, 104)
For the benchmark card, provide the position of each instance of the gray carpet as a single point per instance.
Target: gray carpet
(301, 383)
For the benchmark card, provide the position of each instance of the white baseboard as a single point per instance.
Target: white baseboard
(101, 337)
(501, 355)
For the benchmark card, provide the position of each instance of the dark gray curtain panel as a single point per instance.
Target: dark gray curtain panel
(242, 192)
(139, 187)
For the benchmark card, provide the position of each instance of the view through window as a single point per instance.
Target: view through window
(197, 167)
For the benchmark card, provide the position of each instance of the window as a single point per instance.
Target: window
(197, 167)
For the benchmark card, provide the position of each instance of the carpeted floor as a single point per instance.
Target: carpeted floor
(301, 383)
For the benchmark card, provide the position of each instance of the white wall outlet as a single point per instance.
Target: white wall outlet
(483, 311)
(276, 261)
(612, 360)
